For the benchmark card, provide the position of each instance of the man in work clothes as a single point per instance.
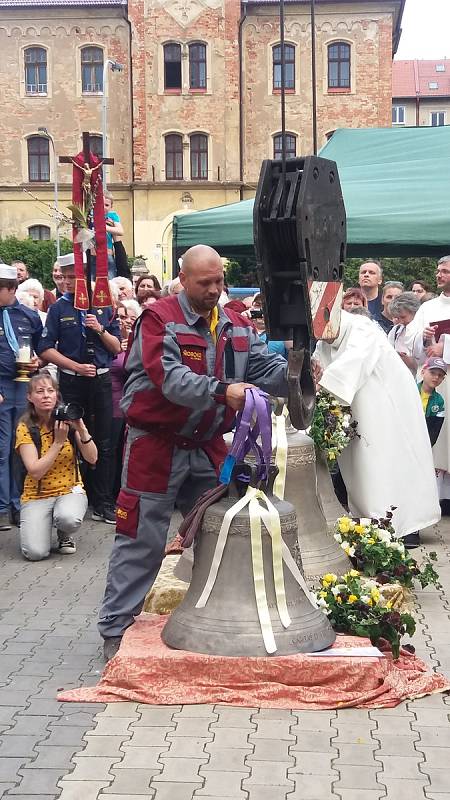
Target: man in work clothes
(187, 368)
(15, 321)
(83, 346)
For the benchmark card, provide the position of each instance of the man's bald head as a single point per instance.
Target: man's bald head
(202, 276)
(200, 254)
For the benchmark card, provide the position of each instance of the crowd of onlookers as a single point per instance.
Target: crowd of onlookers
(80, 357)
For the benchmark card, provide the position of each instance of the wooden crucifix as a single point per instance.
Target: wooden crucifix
(85, 210)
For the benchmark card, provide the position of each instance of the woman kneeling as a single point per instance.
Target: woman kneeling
(53, 492)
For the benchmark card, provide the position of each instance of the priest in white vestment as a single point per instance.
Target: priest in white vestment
(391, 464)
(437, 310)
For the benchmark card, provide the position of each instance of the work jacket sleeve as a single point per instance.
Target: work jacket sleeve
(162, 360)
(266, 370)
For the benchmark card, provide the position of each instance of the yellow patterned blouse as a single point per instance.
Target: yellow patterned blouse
(60, 478)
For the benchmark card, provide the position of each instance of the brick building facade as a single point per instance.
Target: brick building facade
(196, 108)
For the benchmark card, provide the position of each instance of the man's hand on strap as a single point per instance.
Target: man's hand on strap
(235, 395)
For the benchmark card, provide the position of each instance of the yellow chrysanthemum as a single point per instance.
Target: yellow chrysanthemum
(344, 524)
(370, 602)
(330, 577)
(375, 595)
(352, 598)
(354, 573)
(339, 599)
(323, 594)
(359, 529)
(370, 541)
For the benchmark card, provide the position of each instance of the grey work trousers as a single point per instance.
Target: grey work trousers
(37, 518)
(135, 562)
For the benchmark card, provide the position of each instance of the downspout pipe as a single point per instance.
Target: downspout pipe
(241, 98)
(131, 86)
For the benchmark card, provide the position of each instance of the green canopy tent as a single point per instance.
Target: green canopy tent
(396, 186)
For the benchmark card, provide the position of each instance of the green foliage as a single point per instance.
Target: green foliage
(406, 270)
(38, 256)
(242, 273)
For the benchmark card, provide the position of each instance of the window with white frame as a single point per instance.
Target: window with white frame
(199, 157)
(290, 145)
(172, 67)
(197, 65)
(339, 73)
(91, 70)
(289, 67)
(437, 118)
(35, 70)
(398, 115)
(39, 233)
(174, 157)
(38, 159)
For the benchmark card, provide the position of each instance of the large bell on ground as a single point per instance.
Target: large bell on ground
(320, 553)
(331, 506)
(229, 624)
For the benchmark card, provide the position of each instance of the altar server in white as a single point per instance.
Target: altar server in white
(437, 310)
(391, 464)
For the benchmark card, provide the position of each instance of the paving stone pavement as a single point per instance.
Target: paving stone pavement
(119, 751)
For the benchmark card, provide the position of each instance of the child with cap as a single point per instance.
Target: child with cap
(433, 373)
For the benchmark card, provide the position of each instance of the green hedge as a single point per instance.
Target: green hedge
(38, 256)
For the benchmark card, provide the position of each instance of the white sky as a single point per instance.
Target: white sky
(426, 30)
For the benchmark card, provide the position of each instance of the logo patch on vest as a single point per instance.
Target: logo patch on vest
(121, 513)
(195, 354)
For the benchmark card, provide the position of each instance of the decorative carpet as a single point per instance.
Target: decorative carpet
(145, 670)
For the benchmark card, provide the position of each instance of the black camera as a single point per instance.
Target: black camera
(256, 313)
(68, 412)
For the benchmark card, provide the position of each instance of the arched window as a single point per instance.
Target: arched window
(289, 62)
(174, 157)
(197, 65)
(39, 233)
(199, 157)
(291, 145)
(35, 70)
(339, 65)
(172, 66)
(96, 145)
(38, 159)
(91, 70)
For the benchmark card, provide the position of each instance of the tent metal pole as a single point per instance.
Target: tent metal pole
(313, 76)
(283, 97)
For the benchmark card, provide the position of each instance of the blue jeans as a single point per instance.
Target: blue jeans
(14, 395)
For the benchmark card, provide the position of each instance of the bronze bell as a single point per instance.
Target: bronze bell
(320, 553)
(229, 624)
(331, 506)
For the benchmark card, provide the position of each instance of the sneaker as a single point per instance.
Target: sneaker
(109, 515)
(5, 524)
(67, 546)
(15, 517)
(111, 647)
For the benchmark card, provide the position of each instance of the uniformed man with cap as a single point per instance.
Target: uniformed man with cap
(83, 345)
(15, 320)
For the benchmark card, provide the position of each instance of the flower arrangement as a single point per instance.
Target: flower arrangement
(332, 428)
(356, 607)
(377, 553)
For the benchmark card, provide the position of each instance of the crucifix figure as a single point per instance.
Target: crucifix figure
(88, 212)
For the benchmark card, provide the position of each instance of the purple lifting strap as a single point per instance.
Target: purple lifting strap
(257, 409)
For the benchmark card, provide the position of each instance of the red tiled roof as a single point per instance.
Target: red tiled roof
(412, 78)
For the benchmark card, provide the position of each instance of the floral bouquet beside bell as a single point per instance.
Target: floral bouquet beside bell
(372, 546)
(332, 428)
(357, 607)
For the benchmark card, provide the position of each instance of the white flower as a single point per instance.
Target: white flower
(365, 521)
(369, 585)
(338, 537)
(365, 598)
(397, 546)
(336, 590)
(322, 603)
(346, 420)
(383, 536)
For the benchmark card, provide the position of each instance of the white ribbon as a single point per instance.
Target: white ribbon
(281, 451)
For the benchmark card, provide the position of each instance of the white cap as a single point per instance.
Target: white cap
(68, 260)
(8, 273)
